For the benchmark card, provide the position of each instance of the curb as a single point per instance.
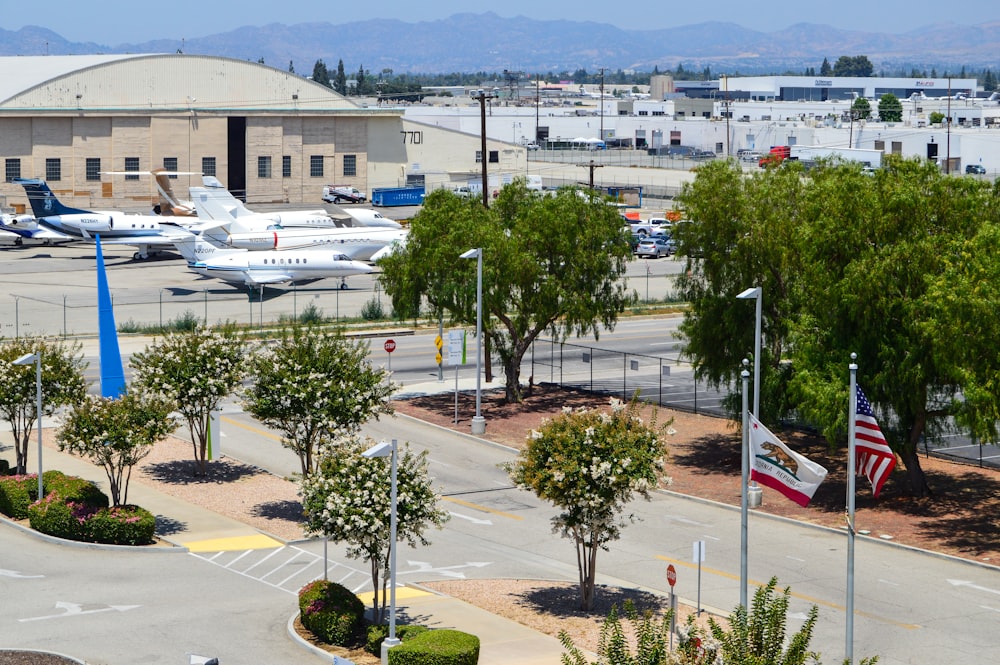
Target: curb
(174, 548)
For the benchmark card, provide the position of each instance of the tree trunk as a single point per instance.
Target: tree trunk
(512, 387)
(914, 473)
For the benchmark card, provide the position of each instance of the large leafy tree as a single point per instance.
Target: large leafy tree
(589, 464)
(858, 65)
(550, 264)
(314, 385)
(116, 434)
(848, 267)
(861, 109)
(62, 384)
(743, 237)
(890, 109)
(196, 371)
(349, 500)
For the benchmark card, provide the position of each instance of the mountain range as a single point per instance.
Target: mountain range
(485, 42)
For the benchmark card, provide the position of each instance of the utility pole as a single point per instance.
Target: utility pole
(725, 105)
(592, 165)
(947, 154)
(482, 96)
(601, 104)
(537, 76)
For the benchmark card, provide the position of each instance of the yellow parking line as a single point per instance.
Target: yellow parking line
(484, 509)
(808, 599)
(255, 430)
(402, 593)
(255, 542)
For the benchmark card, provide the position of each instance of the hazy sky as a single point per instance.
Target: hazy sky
(116, 22)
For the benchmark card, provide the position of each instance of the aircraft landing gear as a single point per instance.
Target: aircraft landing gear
(343, 283)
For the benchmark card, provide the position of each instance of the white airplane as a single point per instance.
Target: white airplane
(145, 232)
(21, 227)
(257, 269)
(226, 207)
(358, 243)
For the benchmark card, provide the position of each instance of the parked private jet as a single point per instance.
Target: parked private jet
(21, 227)
(257, 269)
(145, 232)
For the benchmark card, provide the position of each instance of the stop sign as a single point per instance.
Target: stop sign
(390, 346)
(671, 576)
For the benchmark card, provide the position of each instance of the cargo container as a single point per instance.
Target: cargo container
(398, 196)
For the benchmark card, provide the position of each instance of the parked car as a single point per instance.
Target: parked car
(532, 146)
(975, 168)
(654, 247)
(747, 155)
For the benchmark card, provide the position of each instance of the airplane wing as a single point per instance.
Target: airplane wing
(261, 277)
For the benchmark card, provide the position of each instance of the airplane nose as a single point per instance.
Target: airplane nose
(362, 268)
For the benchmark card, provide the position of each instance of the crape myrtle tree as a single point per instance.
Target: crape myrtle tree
(589, 463)
(349, 500)
(890, 109)
(116, 434)
(550, 264)
(62, 384)
(313, 386)
(846, 266)
(195, 370)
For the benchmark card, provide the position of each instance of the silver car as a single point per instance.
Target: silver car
(654, 247)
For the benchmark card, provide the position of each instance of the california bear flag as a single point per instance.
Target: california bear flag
(775, 465)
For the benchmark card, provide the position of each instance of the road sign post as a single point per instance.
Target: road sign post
(699, 556)
(672, 580)
(389, 346)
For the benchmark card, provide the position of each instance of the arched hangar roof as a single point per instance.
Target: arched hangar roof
(159, 82)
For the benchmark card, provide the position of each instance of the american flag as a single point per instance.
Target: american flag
(872, 455)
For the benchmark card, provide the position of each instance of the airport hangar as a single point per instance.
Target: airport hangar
(269, 135)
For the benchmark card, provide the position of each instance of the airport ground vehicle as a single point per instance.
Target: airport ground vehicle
(339, 193)
(654, 247)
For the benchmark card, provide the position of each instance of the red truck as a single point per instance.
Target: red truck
(777, 154)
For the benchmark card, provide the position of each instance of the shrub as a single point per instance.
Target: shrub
(74, 489)
(331, 612)
(437, 647)
(120, 525)
(311, 314)
(17, 493)
(372, 310)
(57, 517)
(378, 633)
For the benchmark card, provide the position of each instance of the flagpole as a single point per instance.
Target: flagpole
(745, 374)
(852, 417)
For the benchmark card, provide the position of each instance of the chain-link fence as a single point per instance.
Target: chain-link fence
(664, 380)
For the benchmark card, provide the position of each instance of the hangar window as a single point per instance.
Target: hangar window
(93, 168)
(316, 166)
(264, 166)
(494, 156)
(53, 168)
(479, 157)
(208, 166)
(132, 164)
(12, 169)
(286, 166)
(350, 165)
(170, 164)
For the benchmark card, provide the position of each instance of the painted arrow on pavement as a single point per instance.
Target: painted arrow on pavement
(75, 609)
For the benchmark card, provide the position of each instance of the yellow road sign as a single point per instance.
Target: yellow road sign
(437, 358)
(438, 342)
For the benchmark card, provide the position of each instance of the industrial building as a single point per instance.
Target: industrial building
(84, 123)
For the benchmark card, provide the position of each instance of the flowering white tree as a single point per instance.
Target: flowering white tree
(62, 383)
(348, 500)
(195, 371)
(314, 386)
(115, 434)
(590, 463)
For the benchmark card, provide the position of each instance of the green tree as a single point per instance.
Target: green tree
(320, 74)
(890, 109)
(116, 434)
(340, 80)
(745, 237)
(62, 384)
(195, 371)
(550, 263)
(825, 69)
(861, 108)
(651, 638)
(313, 386)
(589, 464)
(858, 65)
(348, 500)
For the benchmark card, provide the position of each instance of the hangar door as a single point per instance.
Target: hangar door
(236, 179)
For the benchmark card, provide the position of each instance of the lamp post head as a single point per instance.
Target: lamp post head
(381, 449)
(471, 254)
(749, 294)
(26, 359)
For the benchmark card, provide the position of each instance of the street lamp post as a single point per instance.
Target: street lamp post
(386, 449)
(27, 359)
(757, 294)
(478, 422)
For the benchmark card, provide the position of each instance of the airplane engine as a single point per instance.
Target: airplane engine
(254, 241)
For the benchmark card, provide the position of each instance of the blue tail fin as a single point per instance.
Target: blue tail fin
(43, 202)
